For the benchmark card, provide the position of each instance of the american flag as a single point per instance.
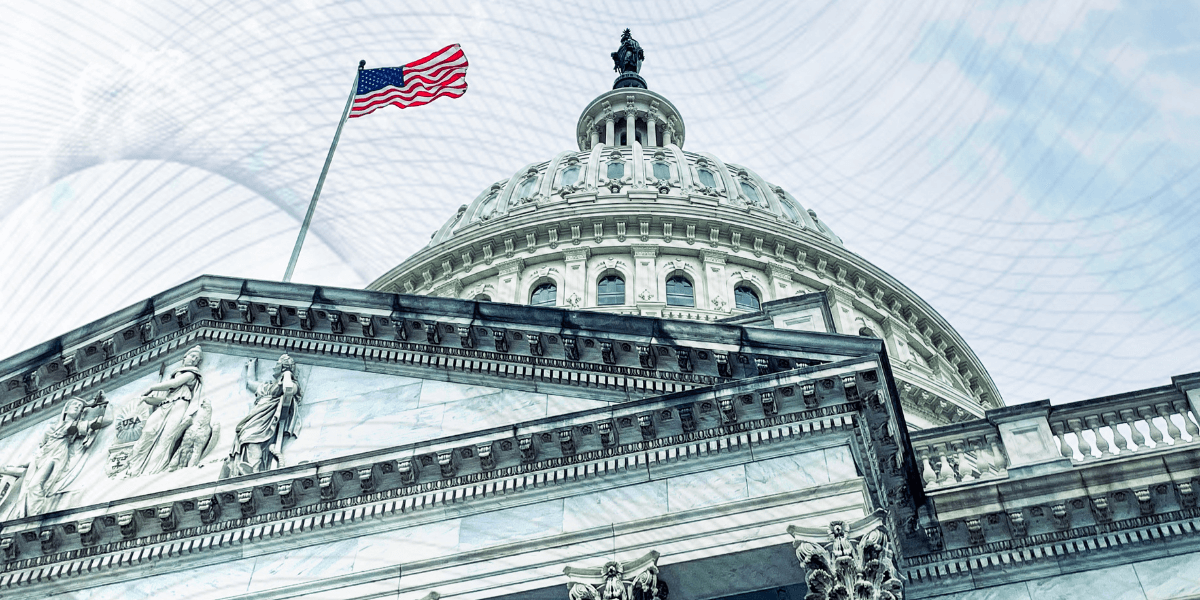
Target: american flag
(442, 73)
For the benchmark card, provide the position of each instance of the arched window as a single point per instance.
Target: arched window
(545, 294)
(488, 206)
(483, 298)
(745, 298)
(679, 292)
(706, 178)
(569, 176)
(616, 170)
(610, 291)
(752, 193)
(525, 190)
(662, 170)
(789, 210)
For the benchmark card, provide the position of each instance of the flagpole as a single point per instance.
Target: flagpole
(312, 206)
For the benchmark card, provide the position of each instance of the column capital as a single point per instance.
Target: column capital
(511, 267)
(576, 254)
(644, 250)
(715, 257)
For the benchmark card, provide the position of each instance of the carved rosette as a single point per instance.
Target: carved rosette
(634, 580)
(843, 568)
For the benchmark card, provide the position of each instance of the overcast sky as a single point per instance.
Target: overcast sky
(1030, 169)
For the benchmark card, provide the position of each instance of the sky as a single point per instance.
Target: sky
(1031, 169)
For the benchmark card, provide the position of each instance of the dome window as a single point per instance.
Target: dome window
(610, 291)
(752, 194)
(488, 206)
(679, 292)
(525, 190)
(616, 170)
(789, 210)
(745, 298)
(706, 178)
(545, 294)
(569, 176)
(662, 171)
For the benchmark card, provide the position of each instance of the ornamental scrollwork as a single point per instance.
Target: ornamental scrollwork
(844, 568)
(634, 580)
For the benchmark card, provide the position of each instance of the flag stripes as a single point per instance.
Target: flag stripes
(441, 74)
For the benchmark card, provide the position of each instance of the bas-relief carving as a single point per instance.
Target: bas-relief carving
(634, 580)
(35, 487)
(163, 414)
(259, 436)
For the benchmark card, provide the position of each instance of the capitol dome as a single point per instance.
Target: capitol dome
(632, 223)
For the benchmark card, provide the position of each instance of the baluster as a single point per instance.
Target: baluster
(999, 460)
(983, 456)
(927, 474)
(1147, 413)
(1093, 424)
(1120, 440)
(946, 472)
(1164, 411)
(966, 470)
(1130, 417)
(1181, 407)
(1085, 447)
(1061, 436)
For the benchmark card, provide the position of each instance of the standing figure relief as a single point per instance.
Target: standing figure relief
(170, 426)
(34, 487)
(258, 439)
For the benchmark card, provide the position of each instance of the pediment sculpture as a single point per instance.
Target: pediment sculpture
(33, 487)
(259, 436)
(168, 427)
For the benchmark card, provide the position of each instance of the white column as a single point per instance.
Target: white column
(651, 135)
(506, 285)
(575, 279)
(595, 137)
(645, 273)
(667, 129)
(715, 281)
(610, 130)
(630, 131)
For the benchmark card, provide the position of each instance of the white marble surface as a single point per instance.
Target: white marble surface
(617, 505)
(437, 392)
(325, 383)
(1170, 577)
(709, 488)
(421, 542)
(492, 410)
(1114, 582)
(510, 525)
(302, 565)
(205, 583)
(786, 473)
(840, 463)
(1012, 591)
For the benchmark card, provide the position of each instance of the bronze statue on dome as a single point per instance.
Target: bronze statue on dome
(628, 58)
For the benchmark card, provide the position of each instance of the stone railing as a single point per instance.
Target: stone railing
(1099, 429)
(960, 454)
(1037, 438)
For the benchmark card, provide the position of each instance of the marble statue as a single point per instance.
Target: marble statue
(258, 439)
(200, 436)
(168, 402)
(33, 488)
